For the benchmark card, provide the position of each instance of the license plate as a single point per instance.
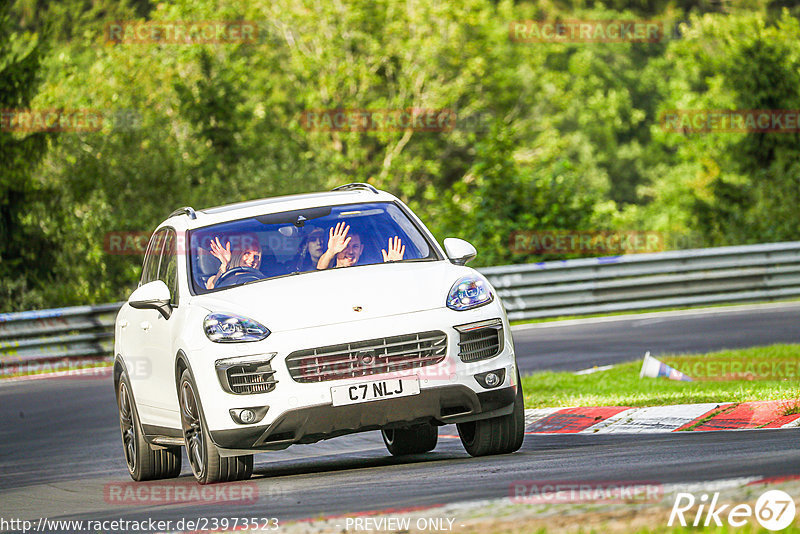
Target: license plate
(372, 391)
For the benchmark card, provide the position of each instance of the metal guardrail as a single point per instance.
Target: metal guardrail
(45, 339)
(646, 281)
(56, 338)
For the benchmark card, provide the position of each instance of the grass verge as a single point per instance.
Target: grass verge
(754, 374)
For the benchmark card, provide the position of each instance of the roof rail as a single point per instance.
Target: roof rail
(357, 185)
(186, 210)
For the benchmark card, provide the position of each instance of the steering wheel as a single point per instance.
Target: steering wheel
(239, 275)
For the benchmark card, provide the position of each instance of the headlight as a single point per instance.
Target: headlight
(469, 292)
(230, 328)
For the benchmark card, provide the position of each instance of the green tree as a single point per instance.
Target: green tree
(732, 188)
(548, 136)
(64, 20)
(25, 251)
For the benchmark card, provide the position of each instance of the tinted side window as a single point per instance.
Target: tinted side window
(168, 272)
(152, 257)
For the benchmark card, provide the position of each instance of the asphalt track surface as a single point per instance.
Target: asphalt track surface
(566, 346)
(60, 452)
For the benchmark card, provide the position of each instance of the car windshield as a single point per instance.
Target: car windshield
(277, 244)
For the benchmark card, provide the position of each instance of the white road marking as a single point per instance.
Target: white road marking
(534, 415)
(651, 419)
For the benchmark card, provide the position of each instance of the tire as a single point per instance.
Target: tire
(144, 462)
(411, 440)
(497, 435)
(208, 466)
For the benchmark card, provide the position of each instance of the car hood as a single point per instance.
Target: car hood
(330, 297)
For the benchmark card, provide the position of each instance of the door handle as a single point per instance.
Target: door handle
(146, 326)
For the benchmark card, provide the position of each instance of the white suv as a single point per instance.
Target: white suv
(295, 319)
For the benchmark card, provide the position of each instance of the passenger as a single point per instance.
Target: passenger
(246, 254)
(311, 250)
(347, 250)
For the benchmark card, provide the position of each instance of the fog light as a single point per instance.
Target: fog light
(248, 416)
(491, 379)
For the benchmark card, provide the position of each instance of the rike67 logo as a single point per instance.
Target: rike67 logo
(774, 510)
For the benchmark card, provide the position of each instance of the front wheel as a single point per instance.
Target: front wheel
(207, 465)
(497, 435)
(143, 461)
(412, 440)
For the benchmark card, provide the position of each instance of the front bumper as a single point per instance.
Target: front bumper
(304, 413)
(448, 404)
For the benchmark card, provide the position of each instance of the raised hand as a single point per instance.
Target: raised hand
(337, 242)
(396, 250)
(223, 254)
(337, 238)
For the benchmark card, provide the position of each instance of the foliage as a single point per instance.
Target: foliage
(548, 136)
(732, 188)
(25, 250)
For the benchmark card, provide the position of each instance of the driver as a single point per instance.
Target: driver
(246, 254)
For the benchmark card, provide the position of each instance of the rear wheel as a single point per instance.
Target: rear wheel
(497, 435)
(207, 465)
(411, 440)
(143, 461)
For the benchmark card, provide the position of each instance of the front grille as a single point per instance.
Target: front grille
(247, 378)
(370, 357)
(480, 343)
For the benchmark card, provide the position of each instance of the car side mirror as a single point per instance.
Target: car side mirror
(459, 251)
(152, 296)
